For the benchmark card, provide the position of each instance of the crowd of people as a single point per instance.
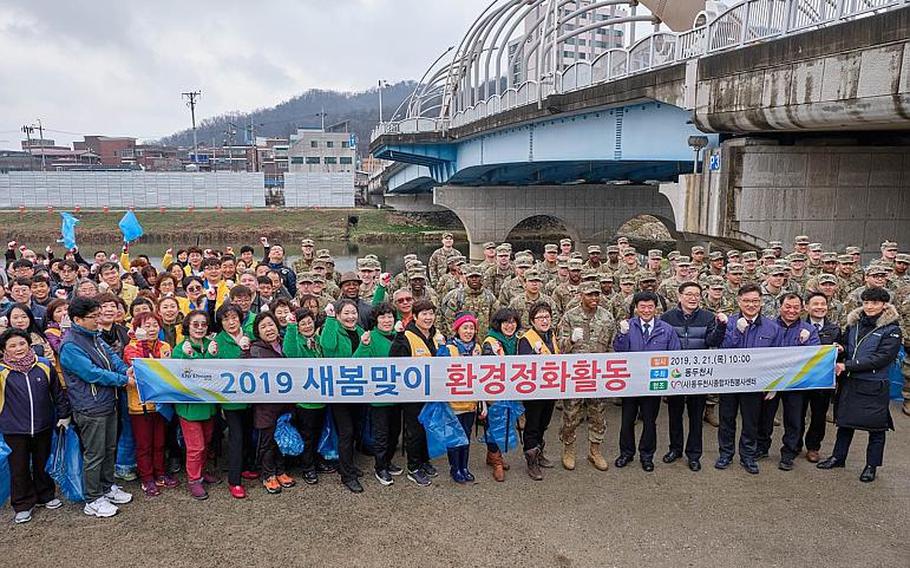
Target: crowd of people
(72, 326)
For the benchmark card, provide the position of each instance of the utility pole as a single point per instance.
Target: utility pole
(382, 84)
(28, 129)
(41, 137)
(191, 97)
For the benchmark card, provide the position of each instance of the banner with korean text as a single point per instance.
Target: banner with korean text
(486, 378)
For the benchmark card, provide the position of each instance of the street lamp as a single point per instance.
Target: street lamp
(382, 84)
(697, 143)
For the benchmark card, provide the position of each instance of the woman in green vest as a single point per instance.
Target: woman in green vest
(539, 340)
(385, 417)
(501, 341)
(302, 342)
(339, 339)
(197, 421)
(231, 343)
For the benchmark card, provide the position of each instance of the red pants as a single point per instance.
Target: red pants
(149, 432)
(196, 436)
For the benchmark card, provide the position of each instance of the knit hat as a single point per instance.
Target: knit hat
(462, 318)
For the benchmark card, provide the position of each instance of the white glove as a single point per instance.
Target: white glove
(47, 249)
(264, 308)
(399, 327)
(722, 318)
(803, 335)
(624, 327)
(577, 334)
(330, 310)
(365, 338)
(11, 245)
(64, 422)
(188, 349)
(742, 325)
(244, 343)
(213, 349)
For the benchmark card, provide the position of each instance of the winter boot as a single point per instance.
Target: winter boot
(455, 465)
(568, 456)
(464, 454)
(495, 460)
(502, 460)
(531, 456)
(711, 416)
(595, 457)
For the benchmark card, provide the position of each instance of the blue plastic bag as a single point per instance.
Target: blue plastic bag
(443, 429)
(5, 451)
(287, 437)
(126, 445)
(896, 377)
(65, 463)
(502, 424)
(328, 441)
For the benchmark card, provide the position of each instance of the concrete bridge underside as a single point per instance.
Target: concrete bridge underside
(591, 213)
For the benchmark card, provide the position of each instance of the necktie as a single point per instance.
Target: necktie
(818, 327)
(647, 330)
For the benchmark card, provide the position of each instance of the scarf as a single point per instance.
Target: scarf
(465, 349)
(23, 364)
(509, 344)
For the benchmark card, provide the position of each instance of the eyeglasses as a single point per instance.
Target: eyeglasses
(403, 300)
(91, 316)
(543, 317)
(194, 288)
(691, 294)
(199, 324)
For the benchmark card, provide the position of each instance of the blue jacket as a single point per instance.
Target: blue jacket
(698, 330)
(790, 334)
(92, 372)
(763, 332)
(871, 346)
(29, 401)
(662, 338)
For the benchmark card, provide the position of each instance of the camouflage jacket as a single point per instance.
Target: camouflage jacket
(437, 264)
(597, 331)
(522, 305)
(480, 302)
(494, 277)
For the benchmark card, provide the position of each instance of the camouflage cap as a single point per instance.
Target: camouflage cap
(683, 261)
(318, 263)
(371, 256)
(604, 278)
(550, 248)
(735, 268)
(328, 260)
(565, 241)
(749, 256)
(889, 245)
(453, 259)
(876, 269)
(801, 240)
(732, 253)
(322, 252)
(673, 255)
(472, 270)
(815, 247)
(829, 257)
(503, 249)
(902, 257)
(622, 241)
(362, 263)
(646, 276)
(350, 277)
(318, 279)
(410, 256)
(589, 288)
(578, 255)
(768, 253)
(307, 243)
(562, 263)
(655, 253)
(627, 279)
(489, 245)
(305, 277)
(417, 275)
(589, 275)
(612, 249)
(697, 249)
(533, 275)
(524, 262)
(447, 236)
(629, 252)
(594, 249)
(715, 282)
(796, 257)
(777, 268)
(575, 264)
(776, 245)
(846, 259)
(827, 279)
(716, 255)
(853, 250)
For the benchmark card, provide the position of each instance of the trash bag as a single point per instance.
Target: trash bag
(443, 429)
(5, 480)
(328, 441)
(65, 463)
(896, 377)
(502, 424)
(287, 437)
(126, 445)
(166, 411)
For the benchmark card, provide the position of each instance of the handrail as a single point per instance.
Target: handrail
(743, 24)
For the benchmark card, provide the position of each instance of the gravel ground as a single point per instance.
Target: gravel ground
(671, 517)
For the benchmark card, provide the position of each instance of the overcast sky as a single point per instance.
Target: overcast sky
(118, 68)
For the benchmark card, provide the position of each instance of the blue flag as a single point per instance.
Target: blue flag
(68, 230)
(130, 227)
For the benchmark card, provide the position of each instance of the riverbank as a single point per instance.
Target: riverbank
(287, 225)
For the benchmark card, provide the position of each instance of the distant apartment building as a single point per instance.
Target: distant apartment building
(114, 151)
(586, 46)
(317, 151)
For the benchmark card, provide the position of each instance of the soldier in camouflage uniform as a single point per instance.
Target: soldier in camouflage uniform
(655, 265)
(669, 288)
(471, 297)
(698, 261)
(452, 278)
(489, 255)
(613, 261)
(828, 266)
(849, 278)
(562, 275)
(778, 248)
(514, 285)
(827, 285)
(400, 280)
(594, 261)
(889, 253)
(876, 277)
(713, 296)
(901, 275)
(330, 288)
(586, 276)
(587, 328)
(715, 267)
(623, 298)
(630, 264)
(567, 291)
(565, 247)
(751, 274)
(437, 265)
(901, 301)
(531, 295)
(771, 289)
(496, 275)
(369, 272)
(417, 284)
(814, 264)
(307, 256)
(731, 290)
(549, 266)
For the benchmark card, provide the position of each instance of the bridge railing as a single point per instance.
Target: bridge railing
(746, 23)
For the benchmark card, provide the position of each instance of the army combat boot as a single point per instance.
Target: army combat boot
(568, 456)
(711, 416)
(595, 457)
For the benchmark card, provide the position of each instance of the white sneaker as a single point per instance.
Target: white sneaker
(100, 507)
(52, 504)
(118, 496)
(23, 517)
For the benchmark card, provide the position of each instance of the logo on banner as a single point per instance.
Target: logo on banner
(191, 375)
